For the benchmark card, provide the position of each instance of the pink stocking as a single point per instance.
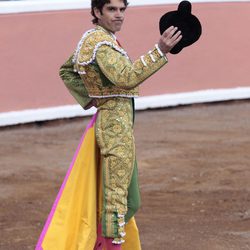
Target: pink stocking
(100, 241)
(111, 246)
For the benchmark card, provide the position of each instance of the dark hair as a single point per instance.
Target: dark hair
(99, 5)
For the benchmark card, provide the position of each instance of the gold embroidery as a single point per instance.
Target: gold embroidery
(114, 134)
(112, 73)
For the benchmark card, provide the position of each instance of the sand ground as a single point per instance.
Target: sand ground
(194, 170)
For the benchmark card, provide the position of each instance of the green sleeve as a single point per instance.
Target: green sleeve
(75, 84)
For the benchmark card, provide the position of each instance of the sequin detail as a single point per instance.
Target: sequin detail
(114, 134)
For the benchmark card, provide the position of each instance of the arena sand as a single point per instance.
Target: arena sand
(194, 171)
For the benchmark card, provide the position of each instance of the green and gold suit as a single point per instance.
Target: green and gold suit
(111, 82)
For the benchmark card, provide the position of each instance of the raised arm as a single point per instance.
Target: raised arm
(125, 74)
(122, 72)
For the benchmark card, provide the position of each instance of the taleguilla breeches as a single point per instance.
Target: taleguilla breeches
(114, 135)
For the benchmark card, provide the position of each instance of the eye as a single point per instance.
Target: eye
(112, 9)
(122, 9)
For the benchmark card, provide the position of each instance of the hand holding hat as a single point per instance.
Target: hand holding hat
(188, 24)
(169, 39)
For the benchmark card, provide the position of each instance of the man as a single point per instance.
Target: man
(111, 81)
(96, 203)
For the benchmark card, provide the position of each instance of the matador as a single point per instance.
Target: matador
(99, 59)
(101, 74)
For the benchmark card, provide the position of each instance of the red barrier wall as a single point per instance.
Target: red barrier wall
(34, 45)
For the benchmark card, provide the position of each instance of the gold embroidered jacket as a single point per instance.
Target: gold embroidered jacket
(106, 69)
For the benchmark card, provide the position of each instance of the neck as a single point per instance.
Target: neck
(109, 32)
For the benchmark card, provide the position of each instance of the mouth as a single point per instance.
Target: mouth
(118, 21)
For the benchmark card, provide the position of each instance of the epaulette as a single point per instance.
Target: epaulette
(87, 48)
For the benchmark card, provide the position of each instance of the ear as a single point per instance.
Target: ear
(97, 13)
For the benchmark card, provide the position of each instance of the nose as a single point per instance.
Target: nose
(119, 14)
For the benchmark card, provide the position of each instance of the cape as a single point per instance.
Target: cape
(72, 222)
